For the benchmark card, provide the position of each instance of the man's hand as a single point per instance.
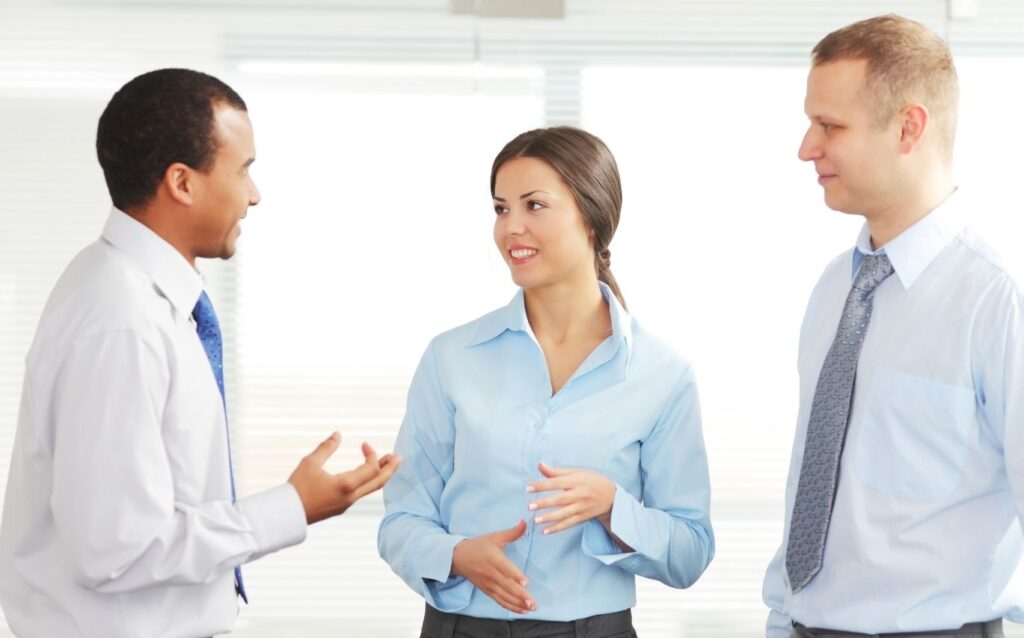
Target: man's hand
(582, 495)
(324, 495)
(482, 561)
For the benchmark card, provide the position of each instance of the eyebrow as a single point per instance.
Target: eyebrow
(523, 196)
(248, 162)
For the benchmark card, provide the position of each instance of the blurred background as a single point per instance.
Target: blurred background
(376, 123)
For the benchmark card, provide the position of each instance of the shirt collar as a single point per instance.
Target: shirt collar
(513, 318)
(176, 279)
(913, 250)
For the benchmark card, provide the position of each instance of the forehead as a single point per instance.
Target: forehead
(234, 130)
(836, 89)
(526, 171)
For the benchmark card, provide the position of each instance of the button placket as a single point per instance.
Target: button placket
(538, 434)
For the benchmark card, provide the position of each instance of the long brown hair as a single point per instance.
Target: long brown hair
(588, 168)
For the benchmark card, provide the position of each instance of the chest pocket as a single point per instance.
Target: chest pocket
(912, 435)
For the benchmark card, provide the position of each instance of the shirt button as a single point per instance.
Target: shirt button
(538, 423)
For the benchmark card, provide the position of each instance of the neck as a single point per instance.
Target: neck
(162, 224)
(901, 213)
(563, 311)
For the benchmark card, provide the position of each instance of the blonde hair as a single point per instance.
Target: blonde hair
(907, 63)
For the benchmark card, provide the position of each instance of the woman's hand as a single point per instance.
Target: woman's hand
(582, 495)
(483, 562)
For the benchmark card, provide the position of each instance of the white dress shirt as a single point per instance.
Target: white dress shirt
(925, 532)
(118, 518)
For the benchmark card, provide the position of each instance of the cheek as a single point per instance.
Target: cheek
(570, 241)
(497, 233)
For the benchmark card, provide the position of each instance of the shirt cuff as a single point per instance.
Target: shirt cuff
(598, 543)
(443, 590)
(778, 626)
(277, 518)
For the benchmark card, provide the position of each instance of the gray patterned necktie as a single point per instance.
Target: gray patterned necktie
(826, 429)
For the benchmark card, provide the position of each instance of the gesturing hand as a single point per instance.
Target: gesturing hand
(323, 494)
(582, 495)
(482, 561)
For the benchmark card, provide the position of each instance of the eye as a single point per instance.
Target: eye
(500, 209)
(534, 205)
(827, 127)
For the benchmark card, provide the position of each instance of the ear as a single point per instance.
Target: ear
(914, 122)
(179, 181)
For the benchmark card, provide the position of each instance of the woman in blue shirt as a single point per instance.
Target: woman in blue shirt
(553, 448)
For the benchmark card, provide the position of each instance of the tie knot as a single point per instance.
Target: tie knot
(873, 271)
(204, 314)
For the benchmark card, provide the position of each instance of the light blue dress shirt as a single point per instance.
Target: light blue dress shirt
(925, 532)
(481, 417)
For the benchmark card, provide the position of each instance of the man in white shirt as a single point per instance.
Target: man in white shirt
(120, 516)
(907, 478)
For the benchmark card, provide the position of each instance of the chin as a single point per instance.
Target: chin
(227, 252)
(524, 282)
(837, 204)
(533, 283)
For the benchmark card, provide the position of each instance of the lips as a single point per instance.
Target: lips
(520, 254)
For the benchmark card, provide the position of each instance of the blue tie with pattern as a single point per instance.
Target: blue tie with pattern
(209, 334)
(826, 429)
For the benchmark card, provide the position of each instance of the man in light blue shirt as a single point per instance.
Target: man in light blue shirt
(915, 527)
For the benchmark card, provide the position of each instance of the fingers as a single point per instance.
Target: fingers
(511, 534)
(383, 476)
(552, 472)
(563, 518)
(557, 483)
(509, 602)
(510, 586)
(565, 523)
(558, 500)
(514, 578)
(369, 453)
(351, 481)
(559, 514)
(324, 451)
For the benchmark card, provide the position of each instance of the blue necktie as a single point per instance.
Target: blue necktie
(209, 334)
(826, 428)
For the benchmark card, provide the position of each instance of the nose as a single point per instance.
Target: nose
(513, 223)
(810, 147)
(254, 196)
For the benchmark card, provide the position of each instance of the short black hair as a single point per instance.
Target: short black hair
(157, 119)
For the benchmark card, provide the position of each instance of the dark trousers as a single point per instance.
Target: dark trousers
(439, 624)
(991, 629)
